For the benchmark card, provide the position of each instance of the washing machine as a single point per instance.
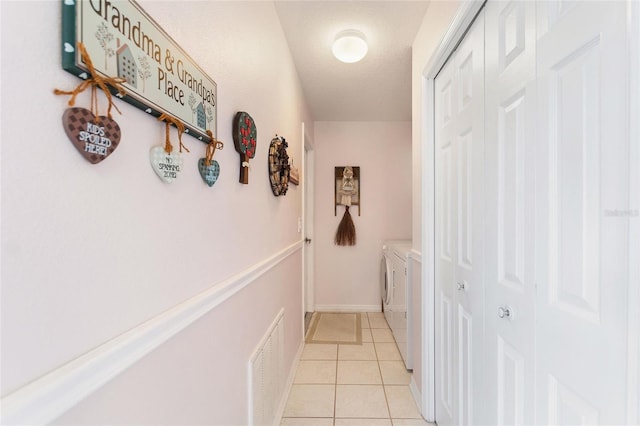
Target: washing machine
(386, 291)
(396, 291)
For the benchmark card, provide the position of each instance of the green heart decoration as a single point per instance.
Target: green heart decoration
(209, 173)
(208, 167)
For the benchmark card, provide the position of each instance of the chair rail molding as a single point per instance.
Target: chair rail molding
(50, 396)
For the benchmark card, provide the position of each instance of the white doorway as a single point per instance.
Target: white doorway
(307, 227)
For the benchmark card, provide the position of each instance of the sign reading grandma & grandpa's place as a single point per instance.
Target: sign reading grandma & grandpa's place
(123, 41)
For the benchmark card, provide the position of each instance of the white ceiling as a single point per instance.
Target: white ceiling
(378, 88)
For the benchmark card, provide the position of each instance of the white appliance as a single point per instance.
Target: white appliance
(386, 292)
(395, 291)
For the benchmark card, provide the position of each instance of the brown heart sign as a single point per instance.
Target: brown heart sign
(95, 138)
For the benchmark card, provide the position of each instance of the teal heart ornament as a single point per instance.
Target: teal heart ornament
(209, 173)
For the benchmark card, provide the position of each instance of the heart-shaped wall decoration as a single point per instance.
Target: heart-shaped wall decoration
(166, 166)
(95, 138)
(209, 173)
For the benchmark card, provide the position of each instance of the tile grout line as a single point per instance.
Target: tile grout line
(335, 388)
(384, 389)
(361, 359)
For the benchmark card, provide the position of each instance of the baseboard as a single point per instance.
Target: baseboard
(288, 384)
(417, 396)
(348, 308)
(47, 398)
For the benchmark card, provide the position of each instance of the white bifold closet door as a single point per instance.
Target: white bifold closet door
(459, 258)
(582, 249)
(510, 141)
(533, 198)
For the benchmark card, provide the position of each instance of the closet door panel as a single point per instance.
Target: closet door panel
(509, 204)
(469, 280)
(582, 174)
(445, 205)
(459, 281)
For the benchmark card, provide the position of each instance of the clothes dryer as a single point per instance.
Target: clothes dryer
(397, 309)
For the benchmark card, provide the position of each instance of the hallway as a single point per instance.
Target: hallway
(353, 384)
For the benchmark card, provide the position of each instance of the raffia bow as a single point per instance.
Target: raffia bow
(211, 148)
(168, 122)
(95, 81)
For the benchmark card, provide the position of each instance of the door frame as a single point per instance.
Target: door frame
(633, 353)
(308, 303)
(462, 21)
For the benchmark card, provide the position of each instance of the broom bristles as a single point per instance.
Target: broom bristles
(346, 234)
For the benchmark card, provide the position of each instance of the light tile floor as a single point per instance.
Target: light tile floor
(353, 385)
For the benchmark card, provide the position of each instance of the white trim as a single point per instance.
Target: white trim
(428, 264)
(464, 17)
(415, 391)
(633, 332)
(305, 251)
(289, 383)
(348, 308)
(50, 396)
(465, 14)
(308, 184)
(415, 255)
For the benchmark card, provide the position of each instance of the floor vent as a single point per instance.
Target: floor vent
(266, 378)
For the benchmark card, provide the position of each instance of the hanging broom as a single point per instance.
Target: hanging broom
(346, 234)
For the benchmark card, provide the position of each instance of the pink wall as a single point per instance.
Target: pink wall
(91, 251)
(348, 277)
(199, 377)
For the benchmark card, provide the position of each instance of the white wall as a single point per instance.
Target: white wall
(91, 251)
(347, 277)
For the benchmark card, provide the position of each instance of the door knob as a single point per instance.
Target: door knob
(504, 312)
(461, 286)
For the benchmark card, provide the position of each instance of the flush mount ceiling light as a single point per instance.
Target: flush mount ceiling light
(350, 46)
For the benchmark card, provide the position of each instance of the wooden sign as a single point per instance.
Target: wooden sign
(123, 41)
(347, 187)
(294, 175)
(167, 166)
(94, 137)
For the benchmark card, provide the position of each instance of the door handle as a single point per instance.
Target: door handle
(505, 312)
(307, 240)
(461, 286)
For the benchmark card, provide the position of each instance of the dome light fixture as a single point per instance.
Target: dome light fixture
(350, 46)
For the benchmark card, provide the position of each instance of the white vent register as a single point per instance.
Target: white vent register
(266, 375)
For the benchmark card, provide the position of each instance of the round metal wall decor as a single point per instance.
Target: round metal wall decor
(279, 166)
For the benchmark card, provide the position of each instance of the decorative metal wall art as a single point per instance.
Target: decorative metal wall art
(347, 193)
(279, 166)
